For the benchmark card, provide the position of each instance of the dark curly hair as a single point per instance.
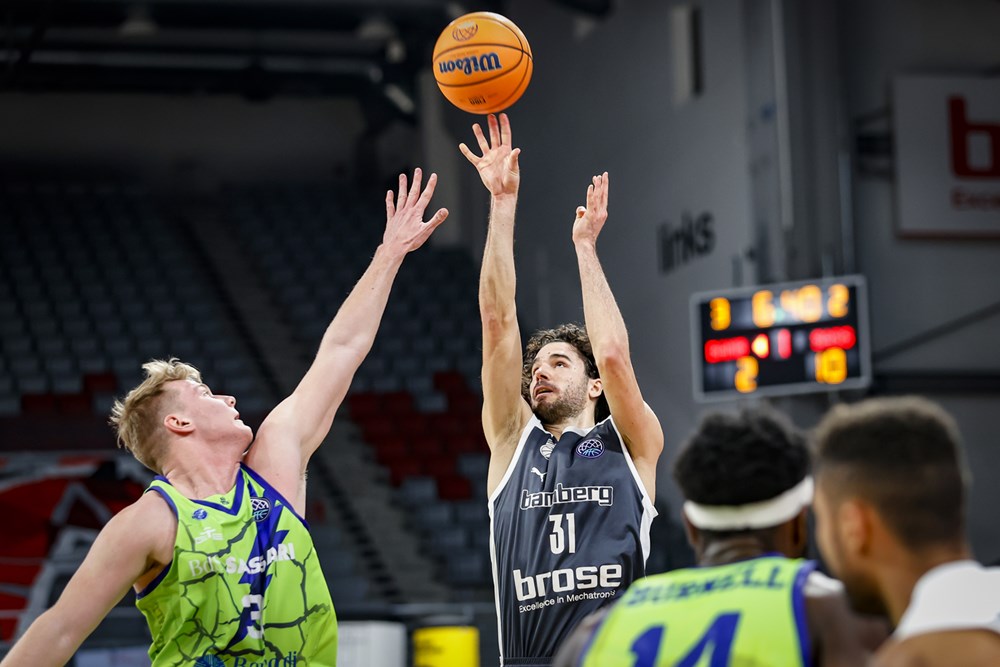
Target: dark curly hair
(575, 335)
(737, 459)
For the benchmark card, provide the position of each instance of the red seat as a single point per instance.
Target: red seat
(391, 452)
(364, 405)
(426, 446)
(73, 404)
(450, 383)
(413, 424)
(440, 466)
(100, 383)
(465, 404)
(397, 403)
(447, 424)
(454, 487)
(378, 429)
(38, 404)
(403, 468)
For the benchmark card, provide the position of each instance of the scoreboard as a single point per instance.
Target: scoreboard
(786, 338)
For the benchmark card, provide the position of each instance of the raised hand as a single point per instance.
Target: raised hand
(405, 229)
(498, 164)
(590, 218)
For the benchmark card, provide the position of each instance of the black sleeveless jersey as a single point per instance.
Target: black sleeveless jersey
(569, 529)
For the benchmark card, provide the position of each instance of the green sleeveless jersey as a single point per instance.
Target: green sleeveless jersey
(244, 588)
(745, 614)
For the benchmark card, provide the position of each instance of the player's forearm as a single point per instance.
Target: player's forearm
(49, 641)
(497, 280)
(359, 316)
(605, 326)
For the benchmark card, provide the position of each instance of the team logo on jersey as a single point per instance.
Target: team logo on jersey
(546, 449)
(260, 508)
(209, 660)
(590, 449)
(199, 514)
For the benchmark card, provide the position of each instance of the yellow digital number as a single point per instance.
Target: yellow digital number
(831, 366)
(810, 303)
(840, 297)
(746, 375)
(790, 304)
(720, 313)
(762, 306)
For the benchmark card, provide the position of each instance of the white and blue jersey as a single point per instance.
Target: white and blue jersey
(569, 529)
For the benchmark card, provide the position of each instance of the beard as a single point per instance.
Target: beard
(863, 594)
(571, 402)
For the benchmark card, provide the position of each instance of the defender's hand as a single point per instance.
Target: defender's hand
(405, 229)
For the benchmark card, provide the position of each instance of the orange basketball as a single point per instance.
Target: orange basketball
(482, 62)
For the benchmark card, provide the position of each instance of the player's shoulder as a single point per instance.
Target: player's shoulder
(150, 515)
(148, 525)
(956, 648)
(899, 654)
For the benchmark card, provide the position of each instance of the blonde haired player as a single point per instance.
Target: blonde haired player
(217, 549)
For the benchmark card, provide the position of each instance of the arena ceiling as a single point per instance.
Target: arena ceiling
(255, 48)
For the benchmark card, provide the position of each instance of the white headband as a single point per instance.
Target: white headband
(763, 514)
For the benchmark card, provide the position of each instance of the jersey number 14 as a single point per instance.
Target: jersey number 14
(718, 639)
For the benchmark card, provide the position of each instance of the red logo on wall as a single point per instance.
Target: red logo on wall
(962, 130)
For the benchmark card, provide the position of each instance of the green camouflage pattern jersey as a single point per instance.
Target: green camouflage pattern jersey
(244, 589)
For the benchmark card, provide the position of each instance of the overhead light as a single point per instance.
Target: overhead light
(138, 22)
(399, 97)
(376, 27)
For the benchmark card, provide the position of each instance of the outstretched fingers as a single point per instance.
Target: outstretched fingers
(425, 196)
(436, 219)
(484, 147)
(401, 196)
(390, 207)
(469, 155)
(494, 130)
(415, 186)
(505, 136)
(512, 162)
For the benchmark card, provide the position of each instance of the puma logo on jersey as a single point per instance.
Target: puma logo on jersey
(541, 475)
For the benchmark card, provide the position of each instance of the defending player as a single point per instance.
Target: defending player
(752, 600)
(573, 445)
(217, 549)
(890, 518)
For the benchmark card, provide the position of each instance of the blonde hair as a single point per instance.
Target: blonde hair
(137, 418)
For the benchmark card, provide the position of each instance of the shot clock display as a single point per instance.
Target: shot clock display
(781, 339)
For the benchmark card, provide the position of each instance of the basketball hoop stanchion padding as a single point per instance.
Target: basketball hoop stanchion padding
(446, 646)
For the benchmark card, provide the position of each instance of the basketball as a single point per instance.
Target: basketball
(482, 62)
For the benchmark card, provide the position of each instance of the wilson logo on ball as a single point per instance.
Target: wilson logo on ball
(484, 63)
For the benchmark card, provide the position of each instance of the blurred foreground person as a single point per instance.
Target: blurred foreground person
(890, 511)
